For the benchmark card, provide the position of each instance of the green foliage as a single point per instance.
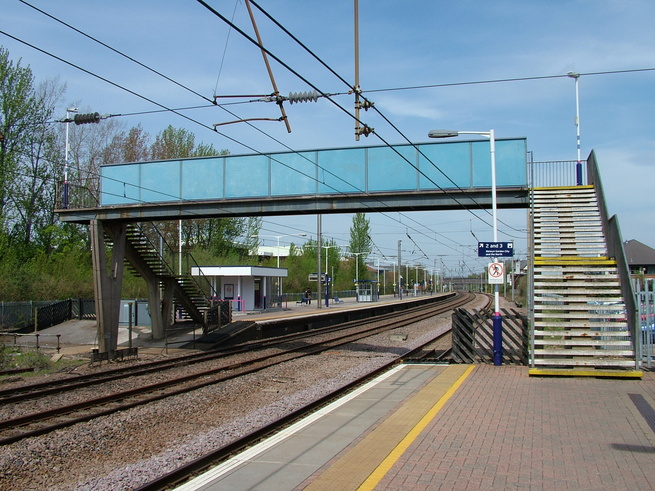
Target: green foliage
(360, 243)
(43, 259)
(302, 262)
(11, 358)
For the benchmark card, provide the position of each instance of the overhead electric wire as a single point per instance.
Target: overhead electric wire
(220, 68)
(294, 72)
(374, 108)
(323, 94)
(116, 51)
(505, 80)
(171, 110)
(91, 173)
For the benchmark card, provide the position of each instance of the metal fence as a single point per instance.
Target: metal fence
(555, 173)
(645, 300)
(25, 316)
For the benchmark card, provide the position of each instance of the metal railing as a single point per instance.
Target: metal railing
(645, 300)
(554, 173)
(614, 241)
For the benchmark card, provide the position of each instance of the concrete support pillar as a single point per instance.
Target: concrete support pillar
(108, 280)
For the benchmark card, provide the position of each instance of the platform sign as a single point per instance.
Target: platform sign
(495, 273)
(495, 249)
(314, 277)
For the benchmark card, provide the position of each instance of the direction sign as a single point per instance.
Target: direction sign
(495, 273)
(314, 277)
(495, 249)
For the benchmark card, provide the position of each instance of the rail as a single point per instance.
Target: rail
(612, 233)
(553, 173)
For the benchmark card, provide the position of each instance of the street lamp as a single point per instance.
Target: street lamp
(277, 253)
(497, 319)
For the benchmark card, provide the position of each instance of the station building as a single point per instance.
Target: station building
(248, 288)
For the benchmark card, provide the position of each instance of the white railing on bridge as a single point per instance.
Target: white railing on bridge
(555, 173)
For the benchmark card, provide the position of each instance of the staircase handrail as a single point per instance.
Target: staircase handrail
(167, 266)
(214, 294)
(552, 173)
(154, 248)
(615, 249)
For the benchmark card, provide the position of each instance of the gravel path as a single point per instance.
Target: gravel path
(130, 448)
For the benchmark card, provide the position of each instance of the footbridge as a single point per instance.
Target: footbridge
(413, 177)
(428, 176)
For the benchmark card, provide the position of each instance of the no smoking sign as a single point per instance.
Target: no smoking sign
(495, 274)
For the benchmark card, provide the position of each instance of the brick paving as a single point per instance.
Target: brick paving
(506, 430)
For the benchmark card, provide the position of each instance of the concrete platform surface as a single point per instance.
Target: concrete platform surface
(465, 428)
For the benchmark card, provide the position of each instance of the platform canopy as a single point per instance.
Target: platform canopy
(247, 271)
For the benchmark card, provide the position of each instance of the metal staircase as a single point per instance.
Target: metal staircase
(144, 259)
(579, 313)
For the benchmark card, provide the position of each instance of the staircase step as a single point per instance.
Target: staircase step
(581, 333)
(582, 325)
(585, 362)
(547, 298)
(581, 372)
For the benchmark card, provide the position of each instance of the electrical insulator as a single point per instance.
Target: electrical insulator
(86, 118)
(303, 96)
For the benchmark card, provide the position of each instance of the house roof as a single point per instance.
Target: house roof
(638, 254)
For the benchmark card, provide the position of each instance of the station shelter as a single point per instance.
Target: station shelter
(248, 288)
(368, 290)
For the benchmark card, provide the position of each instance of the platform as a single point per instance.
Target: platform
(461, 427)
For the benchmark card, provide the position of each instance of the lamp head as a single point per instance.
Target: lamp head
(442, 134)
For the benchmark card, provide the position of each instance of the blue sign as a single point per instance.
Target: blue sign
(495, 249)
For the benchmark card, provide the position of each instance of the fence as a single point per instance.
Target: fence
(645, 300)
(473, 337)
(25, 316)
(35, 341)
(555, 173)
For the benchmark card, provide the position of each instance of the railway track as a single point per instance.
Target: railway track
(51, 387)
(185, 472)
(42, 422)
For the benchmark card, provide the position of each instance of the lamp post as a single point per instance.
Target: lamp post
(327, 292)
(357, 254)
(497, 319)
(68, 120)
(578, 167)
(277, 253)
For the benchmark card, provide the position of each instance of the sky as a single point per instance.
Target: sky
(466, 65)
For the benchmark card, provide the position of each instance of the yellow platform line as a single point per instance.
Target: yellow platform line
(360, 467)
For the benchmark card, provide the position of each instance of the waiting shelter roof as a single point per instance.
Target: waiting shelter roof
(239, 271)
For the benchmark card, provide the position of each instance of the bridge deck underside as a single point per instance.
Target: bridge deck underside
(480, 198)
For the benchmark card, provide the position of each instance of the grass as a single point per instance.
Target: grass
(15, 358)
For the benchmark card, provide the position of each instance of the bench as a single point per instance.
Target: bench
(303, 301)
(337, 300)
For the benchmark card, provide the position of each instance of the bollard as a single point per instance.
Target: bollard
(498, 339)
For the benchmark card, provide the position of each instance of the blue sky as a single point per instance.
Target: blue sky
(450, 46)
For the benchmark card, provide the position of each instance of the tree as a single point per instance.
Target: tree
(22, 118)
(360, 242)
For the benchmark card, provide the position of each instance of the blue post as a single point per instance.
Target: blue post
(327, 291)
(578, 174)
(498, 339)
